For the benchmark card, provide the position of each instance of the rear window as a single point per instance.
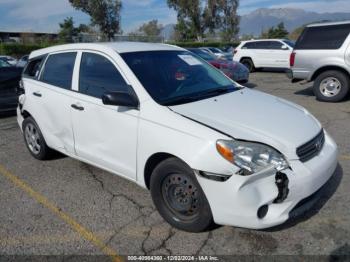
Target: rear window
(323, 37)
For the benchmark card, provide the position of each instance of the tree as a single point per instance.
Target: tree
(67, 30)
(190, 18)
(197, 17)
(83, 28)
(228, 19)
(281, 31)
(151, 28)
(278, 32)
(104, 13)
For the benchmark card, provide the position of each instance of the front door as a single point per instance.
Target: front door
(104, 135)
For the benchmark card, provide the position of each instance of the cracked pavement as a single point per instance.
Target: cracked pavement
(123, 216)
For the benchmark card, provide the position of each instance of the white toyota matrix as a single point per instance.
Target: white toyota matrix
(209, 150)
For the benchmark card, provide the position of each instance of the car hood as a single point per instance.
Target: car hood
(255, 116)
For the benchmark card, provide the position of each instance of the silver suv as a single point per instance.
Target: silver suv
(322, 55)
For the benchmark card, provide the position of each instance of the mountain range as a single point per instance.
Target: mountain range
(261, 19)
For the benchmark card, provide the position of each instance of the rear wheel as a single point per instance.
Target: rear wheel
(35, 140)
(179, 198)
(248, 63)
(331, 86)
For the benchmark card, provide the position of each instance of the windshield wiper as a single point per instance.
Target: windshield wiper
(217, 91)
(206, 94)
(179, 100)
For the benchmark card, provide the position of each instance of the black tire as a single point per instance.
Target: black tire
(174, 186)
(42, 151)
(339, 78)
(248, 63)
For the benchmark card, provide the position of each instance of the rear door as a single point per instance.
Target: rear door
(104, 135)
(279, 56)
(51, 98)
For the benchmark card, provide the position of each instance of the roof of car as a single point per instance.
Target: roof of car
(119, 47)
(329, 23)
(259, 40)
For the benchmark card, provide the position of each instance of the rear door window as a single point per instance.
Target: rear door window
(323, 37)
(262, 45)
(274, 45)
(58, 70)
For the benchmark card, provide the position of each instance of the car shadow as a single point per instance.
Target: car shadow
(250, 85)
(7, 114)
(305, 92)
(272, 70)
(341, 253)
(324, 195)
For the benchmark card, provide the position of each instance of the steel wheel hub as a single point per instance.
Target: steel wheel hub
(181, 195)
(330, 86)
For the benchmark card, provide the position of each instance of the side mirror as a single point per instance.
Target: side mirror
(120, 99)
(284, 47)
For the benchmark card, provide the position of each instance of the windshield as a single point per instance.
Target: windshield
(202, 54)
(290, 43)
(177, 77)
(4, 63)
(215, 50)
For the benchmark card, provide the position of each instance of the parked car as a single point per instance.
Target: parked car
(233, 70)
(322, 55)
(9, 86)
(207, 149)
(218, 53)
(270, 53)
(12, 61)
(23, 61)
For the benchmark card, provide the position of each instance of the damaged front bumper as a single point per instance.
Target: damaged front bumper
(266, 199)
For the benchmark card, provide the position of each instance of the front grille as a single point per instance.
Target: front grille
(311, 148)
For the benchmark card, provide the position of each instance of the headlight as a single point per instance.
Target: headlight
(252, 157)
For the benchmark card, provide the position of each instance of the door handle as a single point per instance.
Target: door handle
(37, 94)
(76, 107)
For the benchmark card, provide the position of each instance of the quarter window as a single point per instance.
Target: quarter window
(98, 76)
(58, 70)
(33, 68)
(323, 37)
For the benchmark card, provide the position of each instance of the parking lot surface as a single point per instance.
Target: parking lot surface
(66, 207)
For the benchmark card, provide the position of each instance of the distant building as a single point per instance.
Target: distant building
(25, 37)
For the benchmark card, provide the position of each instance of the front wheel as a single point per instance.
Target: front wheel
(331, 86)
(179, 198)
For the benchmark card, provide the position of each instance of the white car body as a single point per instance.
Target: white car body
(123, 141)
(263, 55)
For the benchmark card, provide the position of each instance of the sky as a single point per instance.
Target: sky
(45, 15)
